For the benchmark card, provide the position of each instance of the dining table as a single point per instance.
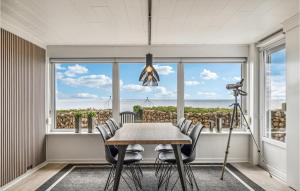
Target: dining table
(149, 133)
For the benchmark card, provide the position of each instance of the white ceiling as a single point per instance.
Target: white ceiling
(118, 22)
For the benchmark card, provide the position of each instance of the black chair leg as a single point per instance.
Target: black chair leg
(108, 181)
(193, 176)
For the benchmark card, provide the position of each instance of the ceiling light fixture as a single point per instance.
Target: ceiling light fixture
(149, 76)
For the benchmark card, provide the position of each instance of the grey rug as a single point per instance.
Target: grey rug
(93, 178)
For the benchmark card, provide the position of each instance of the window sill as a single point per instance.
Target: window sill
(224, 132)
(70, 133)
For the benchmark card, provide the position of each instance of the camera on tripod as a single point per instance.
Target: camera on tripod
(237, 91)
(237, 88)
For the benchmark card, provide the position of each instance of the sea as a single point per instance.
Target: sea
(127, 104)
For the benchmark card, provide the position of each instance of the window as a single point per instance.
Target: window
(206, 98)
(151, 104)
(275, 94)
(82, 87)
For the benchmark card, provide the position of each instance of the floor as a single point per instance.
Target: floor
(255, 173)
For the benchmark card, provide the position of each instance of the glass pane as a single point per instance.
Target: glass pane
(206, 98)
(151, 104)
(82, 88)
(276, 96)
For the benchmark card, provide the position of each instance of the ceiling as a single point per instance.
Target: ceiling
(124, 22)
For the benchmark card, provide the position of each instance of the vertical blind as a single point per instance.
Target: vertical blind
(22, 106)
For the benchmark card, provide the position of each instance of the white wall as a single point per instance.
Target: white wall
(173, 51)
(89, 148)
(291, 28)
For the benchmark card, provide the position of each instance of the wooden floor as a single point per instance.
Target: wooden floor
(255, 173)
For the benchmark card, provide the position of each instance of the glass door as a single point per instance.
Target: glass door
(275, 94)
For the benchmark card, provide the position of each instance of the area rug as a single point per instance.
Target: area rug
(75, 177)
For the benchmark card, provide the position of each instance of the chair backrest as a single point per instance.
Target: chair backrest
(110, 150)
(117, 126)
(186, 126)
(112, 128)
(127, 117)
(189, 150)
(180, 122)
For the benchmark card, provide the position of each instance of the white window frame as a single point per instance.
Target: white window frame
(116, 80)
(264, 58)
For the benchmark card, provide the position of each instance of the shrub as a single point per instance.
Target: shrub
(137, 108)
(188, 109)
(78, 114)
(91, 114)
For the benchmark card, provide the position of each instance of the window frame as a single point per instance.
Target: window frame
(180, 62)
(244, 75)
(265, 58)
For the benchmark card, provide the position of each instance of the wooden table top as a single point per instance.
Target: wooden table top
(148, 133)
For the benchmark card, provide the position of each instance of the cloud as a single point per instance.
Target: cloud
(136, 88)
(85, 95)
(75, 70)
(278, 88)
(207, 94)
(208, 75)
(163, 92)
(59, 67)
(232, 79)
(163, 70)
(59, 75)
(158, 91)
(91, 81)
(191, 82)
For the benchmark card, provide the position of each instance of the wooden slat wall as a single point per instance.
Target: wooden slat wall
(22, 106)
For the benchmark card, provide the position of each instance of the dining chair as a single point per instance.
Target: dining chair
(184, 124)
(130, 148)
(127, 117)
(188, 154)
(180, 122)
(130, 162)
(184, 128)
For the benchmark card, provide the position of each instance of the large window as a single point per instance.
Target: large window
(206, 98)
(151, 104)
(275, 94)
(82, 88)
(88, 86)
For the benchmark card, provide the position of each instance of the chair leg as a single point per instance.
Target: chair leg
(193, 176)
(163, 173)
(136, 178)
(108, 178)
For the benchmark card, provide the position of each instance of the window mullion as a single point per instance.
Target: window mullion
(180, 90)
(115, 91)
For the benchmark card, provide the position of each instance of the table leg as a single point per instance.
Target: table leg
(121, 155)
(180, 167)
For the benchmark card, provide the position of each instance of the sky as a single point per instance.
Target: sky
(77, 83)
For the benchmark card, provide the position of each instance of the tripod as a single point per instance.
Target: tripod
(234, 118)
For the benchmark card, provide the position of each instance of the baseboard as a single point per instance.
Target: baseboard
(77, 161)
(277, 173)
(23, 176)
(146, 160)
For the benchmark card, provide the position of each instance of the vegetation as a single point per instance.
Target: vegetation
(188, 109)
(91, 114)
(78, 114)
(137, 108)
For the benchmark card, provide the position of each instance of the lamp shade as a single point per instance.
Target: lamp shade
(149, 76)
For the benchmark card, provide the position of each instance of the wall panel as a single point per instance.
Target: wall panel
(22, 106)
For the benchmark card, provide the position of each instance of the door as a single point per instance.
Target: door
(273, 110)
